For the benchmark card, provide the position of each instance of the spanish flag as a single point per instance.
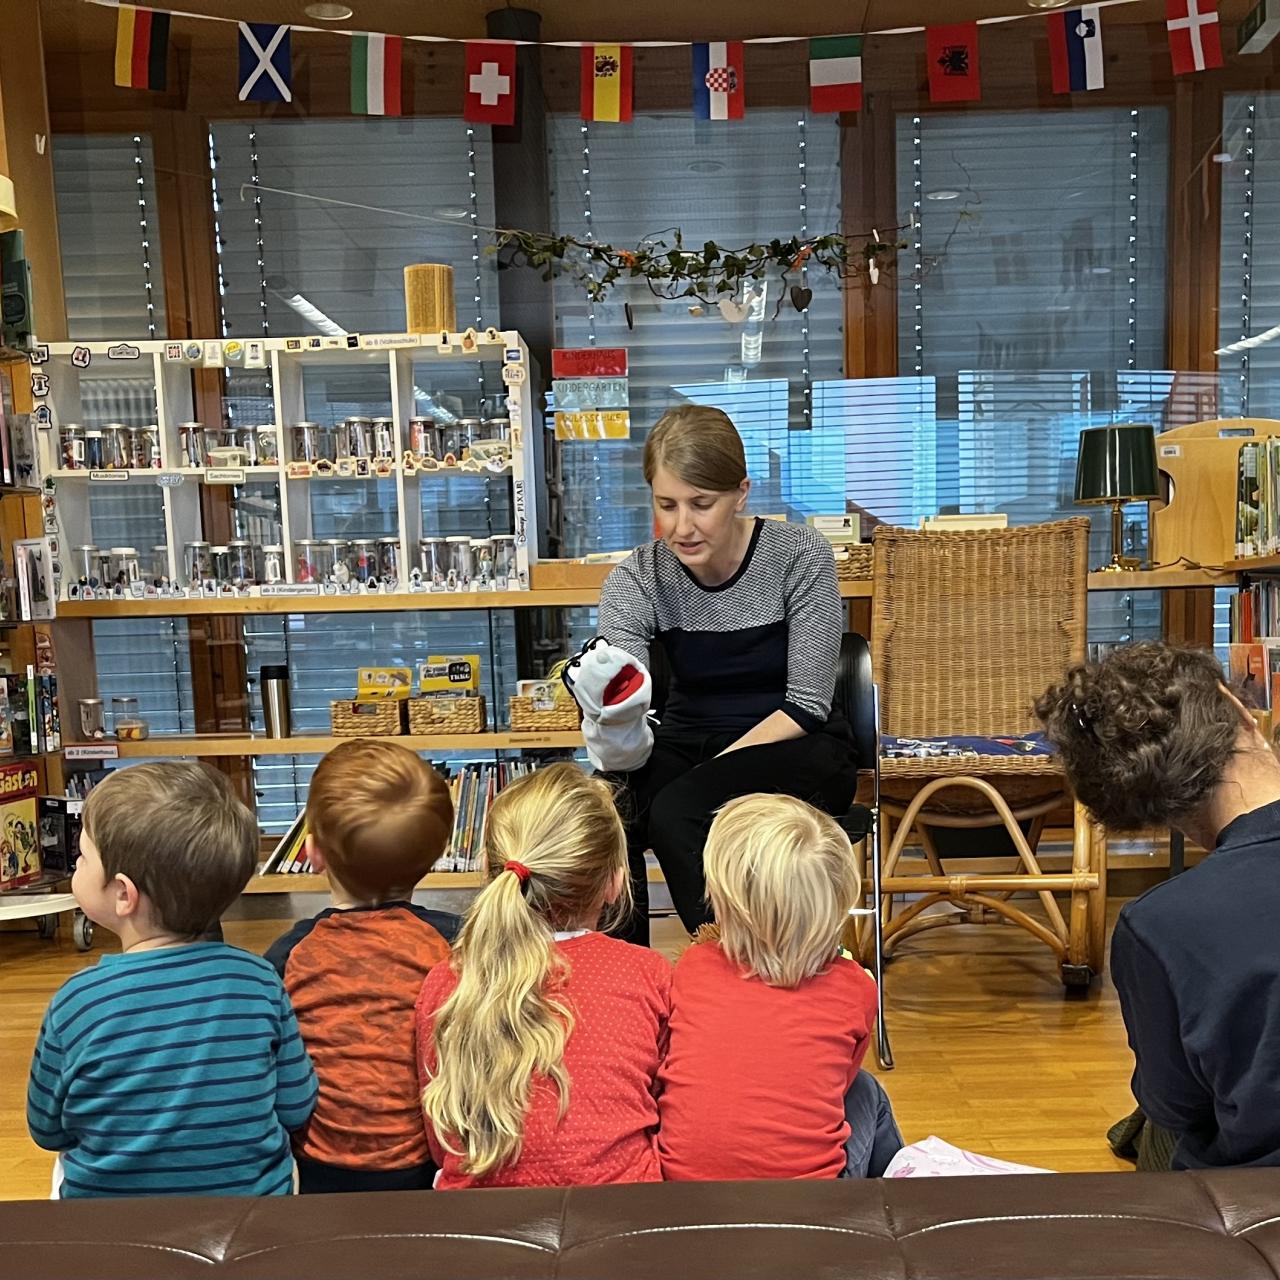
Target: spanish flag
(142, 48)
(606, 82)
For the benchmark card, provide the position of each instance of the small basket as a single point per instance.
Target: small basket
(529, 717)
(853, 564)
(432, 715)
(381, 719)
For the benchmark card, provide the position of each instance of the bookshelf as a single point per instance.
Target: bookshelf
(214, 745)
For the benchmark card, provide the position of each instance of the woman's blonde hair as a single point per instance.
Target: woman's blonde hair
(508, 1020)
(781, 878)
(699, 445)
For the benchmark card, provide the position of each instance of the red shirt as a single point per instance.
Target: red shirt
(754, 1079)
(621, 998)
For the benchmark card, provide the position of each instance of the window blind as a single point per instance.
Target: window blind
(733, 184)
(99, 179)
(1022, 258)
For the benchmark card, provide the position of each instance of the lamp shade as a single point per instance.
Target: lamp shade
(1117, 464)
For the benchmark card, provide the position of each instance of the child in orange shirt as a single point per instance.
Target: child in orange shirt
(378, 817)
(539, 1042)
(769, 1022)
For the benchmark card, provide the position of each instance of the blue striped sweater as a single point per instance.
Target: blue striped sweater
(171, 1072)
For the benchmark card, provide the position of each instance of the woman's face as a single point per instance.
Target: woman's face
(697, 524)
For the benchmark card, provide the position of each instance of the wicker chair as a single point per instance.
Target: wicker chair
(967, 630)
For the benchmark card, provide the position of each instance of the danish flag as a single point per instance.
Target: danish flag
(1195, 41)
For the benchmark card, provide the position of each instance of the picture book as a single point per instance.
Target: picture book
(19, 831)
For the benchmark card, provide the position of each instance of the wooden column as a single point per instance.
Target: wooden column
(27, 159)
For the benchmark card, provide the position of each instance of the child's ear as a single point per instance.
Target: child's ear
(315, 855)
(125, 897)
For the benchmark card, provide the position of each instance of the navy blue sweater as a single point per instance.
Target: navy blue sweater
(1196, 963)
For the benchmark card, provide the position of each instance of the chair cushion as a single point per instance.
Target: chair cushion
(1017, 744)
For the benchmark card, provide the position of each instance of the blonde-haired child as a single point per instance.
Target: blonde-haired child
(769, 1022)
(539, 1042)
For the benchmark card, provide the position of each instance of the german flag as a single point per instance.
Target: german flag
(142, 48)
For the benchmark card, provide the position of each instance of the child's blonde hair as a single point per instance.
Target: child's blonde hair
(781, 877)
(507, 1020)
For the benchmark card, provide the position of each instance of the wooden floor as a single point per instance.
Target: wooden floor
(991, 1056)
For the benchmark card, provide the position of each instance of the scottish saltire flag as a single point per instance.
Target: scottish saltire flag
(265, 69)
(717, 80)
(1075, 49)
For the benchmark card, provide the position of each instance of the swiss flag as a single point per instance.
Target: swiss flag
(1195, 43)
(490, 83)
(952, 54)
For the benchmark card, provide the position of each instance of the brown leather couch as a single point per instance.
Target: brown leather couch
(1215, 1226)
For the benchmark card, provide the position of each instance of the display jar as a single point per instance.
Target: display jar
(504, 560)
(191, 445)
(159, 565)
(389, 559)
(384, 438)
(144, 448)
(197, 563)
(268, 446)
(124, 710)
(220, 558)
(93, 719)
(433, 561)
(246, 440)
(125, 570)
(307, 565)
(460, 563)
(358, 438)
(72, 447)
(271, 564)
(94, 449)
(243, 572)
(115, 447)
(304, 437)
(329, 442)
(482, 570)
(425, 438)
(339, 550)
(364, 559)
(86, 564)
(216, 438)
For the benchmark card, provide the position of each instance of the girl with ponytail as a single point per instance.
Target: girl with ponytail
(539, 1043)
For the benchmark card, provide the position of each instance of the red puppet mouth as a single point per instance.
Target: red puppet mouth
(623, 685)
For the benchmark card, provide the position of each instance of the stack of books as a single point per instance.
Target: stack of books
(473, 787)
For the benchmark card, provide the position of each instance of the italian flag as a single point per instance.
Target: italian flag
(375, 75)
(835, 74)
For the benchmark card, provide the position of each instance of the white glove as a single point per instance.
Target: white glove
(614, 692)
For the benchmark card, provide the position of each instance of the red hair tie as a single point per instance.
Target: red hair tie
(519, 870)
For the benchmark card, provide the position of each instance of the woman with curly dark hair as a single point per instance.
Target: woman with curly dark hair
(1151, 736)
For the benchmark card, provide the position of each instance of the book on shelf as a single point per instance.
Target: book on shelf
(19, 830)
(472, 787)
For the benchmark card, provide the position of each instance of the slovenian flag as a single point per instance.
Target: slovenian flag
(717, 80)
(142, 48)
(1075, 49)
(606, 82)
(375, 75)
(835, 74)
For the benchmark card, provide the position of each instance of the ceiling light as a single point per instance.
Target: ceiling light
(1223, 157)
(942, 195)
(1048, 4)
(706, 166)
(328, 12)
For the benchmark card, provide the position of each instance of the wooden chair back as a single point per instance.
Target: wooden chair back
(969, 628)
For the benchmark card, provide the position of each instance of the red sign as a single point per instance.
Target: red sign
(589, 362)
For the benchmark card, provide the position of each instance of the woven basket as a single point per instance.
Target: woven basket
(526, 718)
(432, 715)
(381, 719)
(853, 564)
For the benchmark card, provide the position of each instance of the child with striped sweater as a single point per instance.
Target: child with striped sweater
(174, 1067)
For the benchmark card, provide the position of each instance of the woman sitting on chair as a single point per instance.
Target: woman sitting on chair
(748, 615)
(1151, 737)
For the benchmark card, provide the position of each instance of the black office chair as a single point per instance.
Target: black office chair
(857, 699)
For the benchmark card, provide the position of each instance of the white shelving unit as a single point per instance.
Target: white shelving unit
(168, 367)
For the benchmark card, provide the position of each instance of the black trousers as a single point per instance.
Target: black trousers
(668, 805)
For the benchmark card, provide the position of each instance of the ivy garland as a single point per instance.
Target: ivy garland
(708, 275)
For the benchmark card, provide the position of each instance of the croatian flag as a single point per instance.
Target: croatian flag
(1075, 49)
(717, 80)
